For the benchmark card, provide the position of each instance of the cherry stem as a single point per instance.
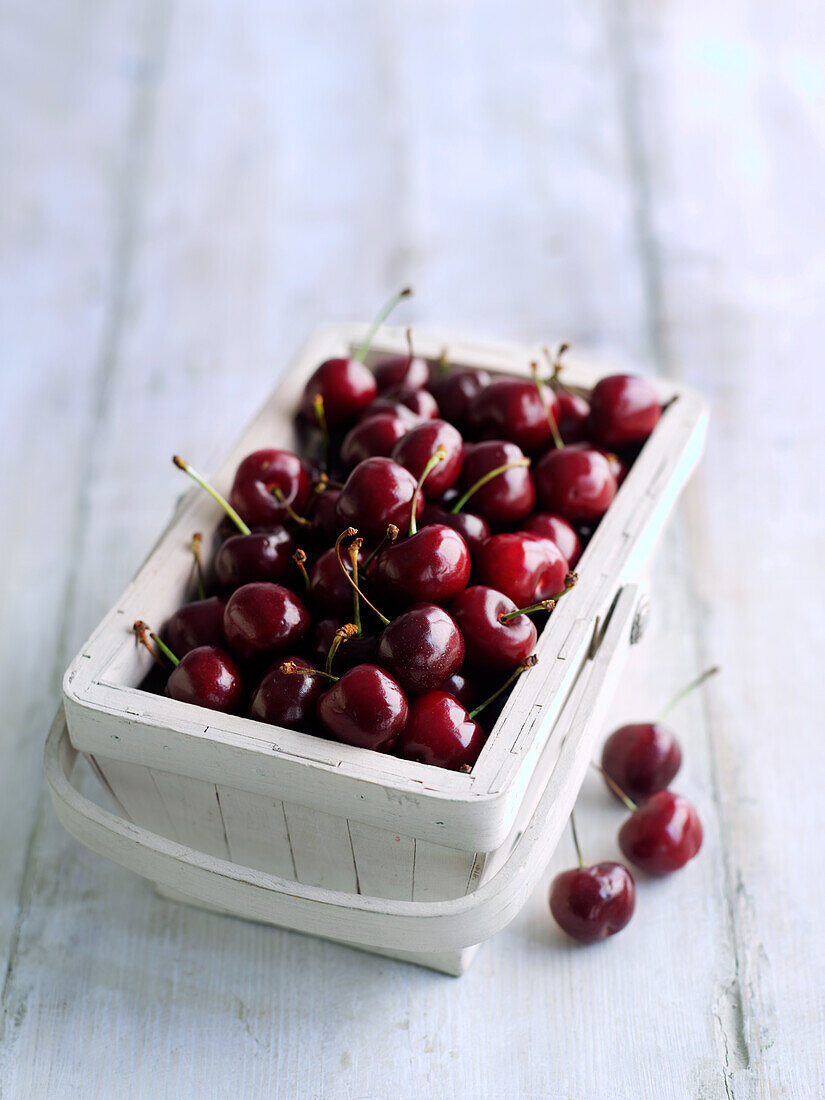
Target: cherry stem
(182, 464)
(353, 549)
(443, 364)
(292, 669)
(343, 634)
(320, 486)
(543, 605)
(410, 354)
(551, 420)
(278, 493)
(556, 367)
(526, 664)
(321, 420)
(142, 630)
(482, 481)
(679, 696)
(350, 531)
(383, 314)
(300, 558)
(576, 839)
(616, 789)
(197, 541)
(438, 456)
(165, 650)
(390, 536)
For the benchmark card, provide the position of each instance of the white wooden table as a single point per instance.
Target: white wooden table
(185, 192)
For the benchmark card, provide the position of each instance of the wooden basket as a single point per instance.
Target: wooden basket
(280, 826)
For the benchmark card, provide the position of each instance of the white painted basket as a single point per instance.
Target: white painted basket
(280, 826)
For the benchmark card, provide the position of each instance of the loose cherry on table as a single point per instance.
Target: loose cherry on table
(376, 494)
(206, 676)
(497, 478)
(262, 620)
(592, 903)
(497, 633)
(410, 370)
(556, 528)
(525, 567)
(624, 410)
(455, 388)
(575, 481)
(662, 833)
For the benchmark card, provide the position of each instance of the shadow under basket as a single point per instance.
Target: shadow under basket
(282, 827)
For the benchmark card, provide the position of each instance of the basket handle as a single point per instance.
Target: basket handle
(374, 922)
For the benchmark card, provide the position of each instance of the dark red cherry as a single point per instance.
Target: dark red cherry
(618, 467)
(330, 592)
(324, 515)
(376, 435)
(575, 481)
(261, 620)
(419, 402)
(574, 417)
(624, 410)
(358, 650)
(662, 833)
(345, 386)
(592, 903)
(465, 689)
(558, 530)
(259, 556)
(377, 493)
(284, 699)
(410, 371)
(432, 565)
(366, 707)
(207, 677)
(455, 389)
(641, 758)
(472, 528)
(418, 446)
(199, 623)
(440, 732)
(421, 648)
(260, 478)
(491, 641)
(509, 496)
(525, 567)
(511, 408)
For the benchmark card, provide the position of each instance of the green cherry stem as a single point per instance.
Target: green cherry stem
(679, 696)
(390, 536)
(482, 481)
(353, 550)
(555, 378)
(543, 605)
(278, 493)
(348, 533)
(526, 664)
(197, 542)
(342, 634)
(142, 631)
(576, 839)
(383, 314)
(300, 559)
(291, 669)
(615, 788)
(182, 464)
(165, 650)
(321, 420)
(439, 455)
(551, 420)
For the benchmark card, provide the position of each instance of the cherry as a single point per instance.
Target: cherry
(284, 700)
(330, 591)
(472, 528)
(555, 528)
(205, 676)
(342, 388)
(432, 565)
(421, 648)
(262, 619)
(462, 687)
(365, 707)
(592, 903)
(325, 514)
(270, 487)
(196, 624)
(258, 556)
(496, 476)
(662, 833)
(497, 634)
(417, 447)
(410, 371)
(420, 403)
(576, 481)
(375, 436)
(525, 567)
(514, 409)
(574, 416)
(455, 390)
(624, 409)
(377, 493)
(359, 649)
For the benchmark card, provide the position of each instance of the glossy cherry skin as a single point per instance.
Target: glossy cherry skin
(662, 834)
(207, 677)
(262, 620)
(358, 650)
(377, 492)
(330, 593)
(419, 402)
(455, 390)
(366, 707)
(574, 417)
(556, 528)
(412, 372)
(287, 699)
(624, 410)
(618, 467)
(525, 567)
(432, 565)
(506, 498)
(489, 642)
(196, 624)
(575, 481)
(462, 687)
(440, 732)
(418, 446)
(377, 435)
(592, 903)
(511, 408)
(346, 387)
(324, 516)
(261, 556)
(472, 528)
(641, 758)
(257, 475)
(421, 648)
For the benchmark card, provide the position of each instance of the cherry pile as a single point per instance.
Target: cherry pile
(662, 834)
(374, 587)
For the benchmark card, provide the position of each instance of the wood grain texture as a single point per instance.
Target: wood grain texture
(186, 192)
